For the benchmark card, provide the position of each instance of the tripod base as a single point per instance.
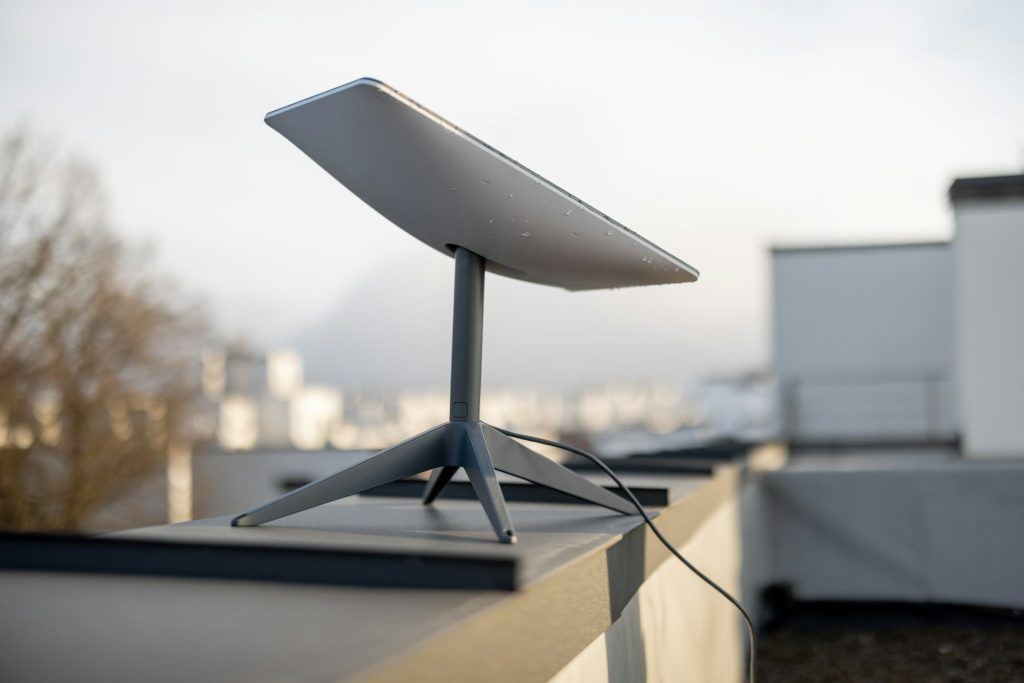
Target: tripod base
(474, 446)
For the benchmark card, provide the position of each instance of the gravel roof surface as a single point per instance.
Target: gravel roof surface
(941, 652)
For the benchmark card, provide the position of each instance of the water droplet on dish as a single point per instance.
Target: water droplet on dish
(568, 212)
(511, 195)
(490, 220)
(608, 233)
(452, 189)
(486, 181)
(526, 234)
(675, 270)
(575, 234)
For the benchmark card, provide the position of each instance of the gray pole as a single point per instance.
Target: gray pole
(463, 442)
(467, 335)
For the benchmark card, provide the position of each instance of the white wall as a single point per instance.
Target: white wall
(676, 628)
(917, 526)
(864, 342)
(989, 250)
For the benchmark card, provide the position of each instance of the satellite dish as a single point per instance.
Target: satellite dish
(445, 187)
(464, 198)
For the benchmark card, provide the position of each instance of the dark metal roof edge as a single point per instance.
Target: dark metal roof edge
(397, 568)
(858, 247)
(987, 187)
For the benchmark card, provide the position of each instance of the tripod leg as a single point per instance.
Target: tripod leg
(418, 454)
(513, 458)
(477, 463)
(439, 478)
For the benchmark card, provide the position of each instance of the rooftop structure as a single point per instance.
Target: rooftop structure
(909, 342)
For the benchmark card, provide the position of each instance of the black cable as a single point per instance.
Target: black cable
(629, 494)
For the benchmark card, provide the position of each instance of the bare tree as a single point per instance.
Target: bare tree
(95, 352)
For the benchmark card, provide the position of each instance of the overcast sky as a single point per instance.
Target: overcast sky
(714, 129)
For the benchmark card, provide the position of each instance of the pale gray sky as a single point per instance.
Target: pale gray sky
(714, 129)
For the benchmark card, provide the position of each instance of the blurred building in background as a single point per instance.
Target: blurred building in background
(261, 402)
(864, 343)
(909, 343)
(269, 432)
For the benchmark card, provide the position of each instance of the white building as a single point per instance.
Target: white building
(913, 342)
(262, 402)
(989, 248)
(864, 343)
